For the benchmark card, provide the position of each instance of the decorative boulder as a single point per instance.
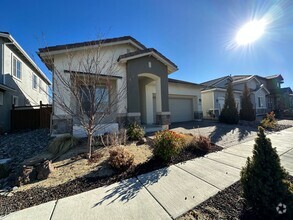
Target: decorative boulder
(27, 175)
(141, 141)
(44, 169)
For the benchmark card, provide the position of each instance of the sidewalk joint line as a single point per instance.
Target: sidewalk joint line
(198, 178)
(286, 152)
(223, 163)
(234, 154)
(53, 209)
(154, 197)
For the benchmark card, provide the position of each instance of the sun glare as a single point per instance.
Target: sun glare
(250, 32)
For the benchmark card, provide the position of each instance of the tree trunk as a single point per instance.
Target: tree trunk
(89, 144)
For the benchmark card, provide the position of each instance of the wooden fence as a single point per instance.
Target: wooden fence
(31, 117)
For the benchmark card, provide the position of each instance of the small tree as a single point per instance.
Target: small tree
(229, 113)
(246, 113)
(85, 88)
(263, 180)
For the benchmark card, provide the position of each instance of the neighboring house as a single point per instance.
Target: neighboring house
(266, 93)
(22, 83)
(151, 97)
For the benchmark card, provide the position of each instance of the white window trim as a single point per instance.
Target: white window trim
(16, 98)
(34, 75)
(1, 98)
(12, 66)
(262, 98)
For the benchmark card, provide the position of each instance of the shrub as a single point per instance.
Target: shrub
(262, 180)
(200, 143)
(167, 144)
(229, 113)
(4, 171)
(120, 158)
(203, 143)
(269, 122)
(135, 132)
(246, 113)
(62, 144)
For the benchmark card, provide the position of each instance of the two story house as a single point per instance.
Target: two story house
(266, 93)
(22, 83)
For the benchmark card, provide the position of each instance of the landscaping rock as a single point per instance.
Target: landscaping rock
(44, 169)
(141, 141)
(28, 175)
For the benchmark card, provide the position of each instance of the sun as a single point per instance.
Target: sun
(250, 32)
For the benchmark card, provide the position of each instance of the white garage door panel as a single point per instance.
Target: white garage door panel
(181, 109)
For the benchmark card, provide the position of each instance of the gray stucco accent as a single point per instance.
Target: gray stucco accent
(141, 65)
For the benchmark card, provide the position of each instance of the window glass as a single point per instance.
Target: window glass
(16, 68)
(35, 81)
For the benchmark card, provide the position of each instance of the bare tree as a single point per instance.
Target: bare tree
(85, 88)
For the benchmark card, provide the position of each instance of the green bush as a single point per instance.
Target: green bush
(229, 113)
(263, 182)
(62, 144)
(120, 158)
(135, 132)
(246, 113)
(269, 122)
(167, 144)
(4, 171)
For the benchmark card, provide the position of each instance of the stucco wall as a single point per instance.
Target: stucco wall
(108, 55)
(207, 102)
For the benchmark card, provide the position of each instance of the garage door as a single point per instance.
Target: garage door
(181, 109)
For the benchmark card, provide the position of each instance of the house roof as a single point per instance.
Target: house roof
(275, 76)
(182, 82)
(126, 39)
(24, 55)
(213, 82)
(145, 52)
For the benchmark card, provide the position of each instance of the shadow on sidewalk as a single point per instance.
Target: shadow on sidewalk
(128, 189)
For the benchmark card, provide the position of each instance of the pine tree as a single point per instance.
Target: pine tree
(263, 183)
(246, 113)
(229, 113)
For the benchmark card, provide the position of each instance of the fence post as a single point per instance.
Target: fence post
(41, 113)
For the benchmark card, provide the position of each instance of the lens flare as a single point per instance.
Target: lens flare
(251, 32)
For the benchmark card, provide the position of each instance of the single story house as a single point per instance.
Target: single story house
(152, 98)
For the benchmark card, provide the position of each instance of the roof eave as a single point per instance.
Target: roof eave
(12, 40)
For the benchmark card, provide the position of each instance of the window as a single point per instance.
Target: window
(41, 89)
(15, 100)
(95, 99)
(1, 98)
(35, 81)
(16, 68)
(261, 102)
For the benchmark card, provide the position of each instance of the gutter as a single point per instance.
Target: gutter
(8, 36)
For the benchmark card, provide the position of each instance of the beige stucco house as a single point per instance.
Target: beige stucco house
(151, 97)
(22, 83)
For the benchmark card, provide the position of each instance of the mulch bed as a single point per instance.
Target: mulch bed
(35, 196)
(227, 204)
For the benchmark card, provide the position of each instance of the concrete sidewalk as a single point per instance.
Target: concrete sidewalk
(162, 194)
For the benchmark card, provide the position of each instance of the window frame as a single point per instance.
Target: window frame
(1, 98)
(106, 109)
(16, 72)
(34, 83)
(17, 101)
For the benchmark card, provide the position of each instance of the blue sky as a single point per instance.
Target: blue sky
(197, 35)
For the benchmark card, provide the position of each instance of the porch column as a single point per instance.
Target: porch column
(162, 102)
